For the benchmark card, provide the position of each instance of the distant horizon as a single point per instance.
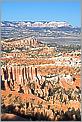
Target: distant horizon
(42, 12)
(40, 21)
(35, 21)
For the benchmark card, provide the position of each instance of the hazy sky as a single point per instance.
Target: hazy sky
(41, 11)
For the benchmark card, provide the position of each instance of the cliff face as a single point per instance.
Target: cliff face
(25, 91)
(13, 76)
(14, 45)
